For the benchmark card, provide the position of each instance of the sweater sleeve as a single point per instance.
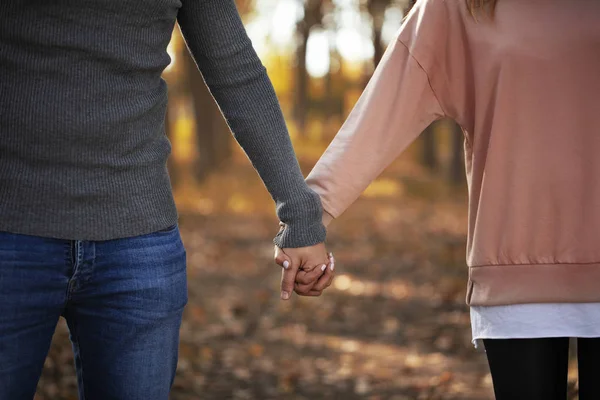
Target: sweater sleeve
(396, 106)
(237, 79)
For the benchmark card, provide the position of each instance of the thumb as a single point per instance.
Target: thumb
(282, 259)
(288, 277)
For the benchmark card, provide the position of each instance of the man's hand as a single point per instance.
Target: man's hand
(306, 270)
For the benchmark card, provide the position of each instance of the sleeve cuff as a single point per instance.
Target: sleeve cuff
(300, 235)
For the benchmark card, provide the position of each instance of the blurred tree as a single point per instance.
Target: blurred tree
(335, 84)
(314, 11)
(428, 140)
(429, 144)
(172, 75)
(212, 133)
(376, 9)
(457, 166)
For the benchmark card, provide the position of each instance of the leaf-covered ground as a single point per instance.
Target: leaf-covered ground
(393, 326)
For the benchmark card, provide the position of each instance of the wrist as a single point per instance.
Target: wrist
(300, 234)
(327, 218)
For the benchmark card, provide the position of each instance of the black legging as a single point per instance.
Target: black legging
(536, 369)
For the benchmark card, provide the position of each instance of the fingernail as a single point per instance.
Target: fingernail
(330, 255)
(332, 266)
(285, 295)
(286, 264)
(323, 267)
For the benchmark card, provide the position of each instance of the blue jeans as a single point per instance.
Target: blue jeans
(122, 299)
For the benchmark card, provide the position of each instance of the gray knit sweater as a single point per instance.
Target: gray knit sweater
(82, 107)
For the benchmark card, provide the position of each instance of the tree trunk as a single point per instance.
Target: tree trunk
(377, 45)
(429, 148)
(301, 100)
(457, 167)
(376, 9)
(222, 137)
(313, 16)
(212, 135)
(429, 155)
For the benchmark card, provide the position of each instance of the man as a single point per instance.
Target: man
(88, 226)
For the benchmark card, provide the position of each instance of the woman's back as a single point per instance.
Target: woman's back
(523, 85)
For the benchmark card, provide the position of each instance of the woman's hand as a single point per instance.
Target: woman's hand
(306, 270)
(308, 283)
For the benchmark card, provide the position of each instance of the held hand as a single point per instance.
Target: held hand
(311, 261)
(311, 284)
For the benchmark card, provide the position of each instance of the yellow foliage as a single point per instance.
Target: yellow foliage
(183, 139)
(383, 188)
(278, 68)
(315, 129)
(239, 204)
(351, 97)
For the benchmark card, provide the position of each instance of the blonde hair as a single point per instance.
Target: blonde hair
(487, 6)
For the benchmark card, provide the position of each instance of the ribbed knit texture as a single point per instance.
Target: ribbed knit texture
(82, 105)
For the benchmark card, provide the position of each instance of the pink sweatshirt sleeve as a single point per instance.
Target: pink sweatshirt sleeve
(396, 106)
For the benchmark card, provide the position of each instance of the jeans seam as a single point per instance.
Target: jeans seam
(80, 357)
(76, 264)
(69, 260)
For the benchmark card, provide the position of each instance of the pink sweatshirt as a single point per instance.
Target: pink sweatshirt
(525, 88)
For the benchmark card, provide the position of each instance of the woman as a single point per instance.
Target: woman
(522, 78)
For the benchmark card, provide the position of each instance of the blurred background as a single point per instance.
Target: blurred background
(394, 325)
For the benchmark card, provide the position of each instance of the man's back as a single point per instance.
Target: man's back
(82, 105)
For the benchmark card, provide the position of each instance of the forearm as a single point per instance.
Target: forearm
(254, 115)
(239, 83)
(396, 106)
